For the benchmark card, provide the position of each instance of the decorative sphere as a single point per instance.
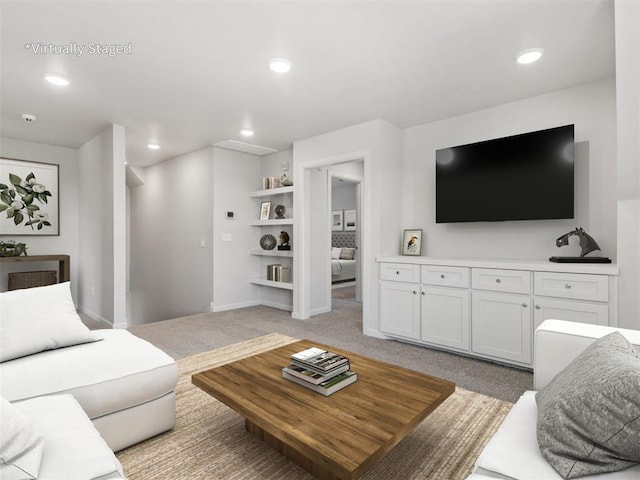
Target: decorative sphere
(268, 242)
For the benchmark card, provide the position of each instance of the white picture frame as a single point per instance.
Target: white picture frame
(350, 220)
(265, 210)
(412, 242)
(337, 223)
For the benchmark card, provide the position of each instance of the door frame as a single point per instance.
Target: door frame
(302, 231)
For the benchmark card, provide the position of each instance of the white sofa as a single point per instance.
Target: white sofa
(122, 383)
(513, 452)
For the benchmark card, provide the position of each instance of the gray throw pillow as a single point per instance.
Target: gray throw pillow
(347, 253)
(589, 415)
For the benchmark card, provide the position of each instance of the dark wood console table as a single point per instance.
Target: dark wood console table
(64, 271)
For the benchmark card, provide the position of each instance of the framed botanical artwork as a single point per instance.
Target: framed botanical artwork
(29, 198)
(336, 221)
(350, 220)
(265, 210)
(412, 242)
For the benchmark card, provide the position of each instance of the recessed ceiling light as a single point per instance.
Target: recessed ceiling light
(153, 146)
(55, 79)
(280, 65)
(246, 132)
(530, 55)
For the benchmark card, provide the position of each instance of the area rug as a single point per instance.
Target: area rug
(210, 441)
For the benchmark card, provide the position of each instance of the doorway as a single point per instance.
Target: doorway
(312, 267)
(345, 189)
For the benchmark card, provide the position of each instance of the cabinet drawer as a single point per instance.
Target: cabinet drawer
(570, 311)
(513, 281)
(399, 272)
(572, 285)
(445, 276)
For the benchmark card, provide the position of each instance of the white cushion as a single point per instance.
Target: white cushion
(73, 449)
(513, 450)
(38, 319)
(335, 253)
(20, 444)
(117, 372)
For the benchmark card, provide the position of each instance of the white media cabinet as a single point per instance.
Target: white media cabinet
(490, 308)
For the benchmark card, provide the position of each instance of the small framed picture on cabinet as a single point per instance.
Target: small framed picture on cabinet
(412, 242)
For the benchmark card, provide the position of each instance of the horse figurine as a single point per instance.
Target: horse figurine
(587, 243)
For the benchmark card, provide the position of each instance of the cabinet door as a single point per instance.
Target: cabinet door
(445, 317)
(400, 309)
(502, 326)
(571, 311)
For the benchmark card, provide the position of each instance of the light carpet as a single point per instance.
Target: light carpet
(210, 441)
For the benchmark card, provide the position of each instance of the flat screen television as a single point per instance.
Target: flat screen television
(522, 177)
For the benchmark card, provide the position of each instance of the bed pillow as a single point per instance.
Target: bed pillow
(347, 253)
(38, 319)
(20, 444)
(335, 253)
(589, 415)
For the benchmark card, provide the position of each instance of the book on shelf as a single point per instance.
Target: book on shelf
(318, 360)
(311, 376)
(327, 387)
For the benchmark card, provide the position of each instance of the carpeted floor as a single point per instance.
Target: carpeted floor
(344, 293)
(342, 327)
(210, 442)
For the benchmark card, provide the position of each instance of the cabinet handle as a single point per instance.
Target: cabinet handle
(415, 292)
(442, 275)
(397, 272)
(538, 307)
(567, 285)
(525, 305)
(498, 280)
(423, 293)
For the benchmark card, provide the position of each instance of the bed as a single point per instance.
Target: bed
(342, 270)
(343, 265)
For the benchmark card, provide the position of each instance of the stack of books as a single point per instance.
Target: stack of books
(319, 370)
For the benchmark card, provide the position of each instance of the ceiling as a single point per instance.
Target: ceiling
(198, 71)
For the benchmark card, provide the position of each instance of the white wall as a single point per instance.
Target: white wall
(67, 241)
(102, 237)
(590, 107)
(235, 174)
(380, 143)
(343, 196)
(171, 274)
(627, 21)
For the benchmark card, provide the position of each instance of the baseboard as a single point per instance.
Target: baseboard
(376, 334)
(234, 306)
(98, 318)
(279, 306)
(321, 310)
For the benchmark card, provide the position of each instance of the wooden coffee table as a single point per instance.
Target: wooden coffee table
(337, 437)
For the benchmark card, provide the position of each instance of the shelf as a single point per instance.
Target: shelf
(271, 191)
(64, 268)
(271, 253)
(262, 223)
(270, 283)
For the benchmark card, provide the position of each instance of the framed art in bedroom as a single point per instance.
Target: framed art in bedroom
(29, 198)
(412, 242)
(350, 220)
(336, 221)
